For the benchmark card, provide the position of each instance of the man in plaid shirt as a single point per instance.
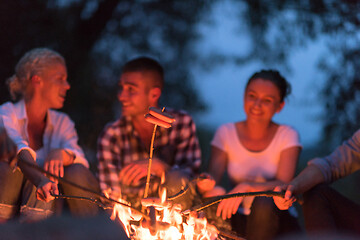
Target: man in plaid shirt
(124, 145)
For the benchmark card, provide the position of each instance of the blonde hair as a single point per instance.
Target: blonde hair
(32, 63)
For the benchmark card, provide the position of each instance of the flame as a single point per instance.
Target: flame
(169, 225)
(163, 195)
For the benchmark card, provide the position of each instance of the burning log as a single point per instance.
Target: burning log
(155, 202)
(152, 225)
(155, 226)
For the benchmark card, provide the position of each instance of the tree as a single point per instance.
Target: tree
(276, 27)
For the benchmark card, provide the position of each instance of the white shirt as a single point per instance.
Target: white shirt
(59, 131)
(244, 165)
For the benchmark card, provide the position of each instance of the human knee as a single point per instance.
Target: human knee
(77, 173)
(11, 184)
(316, 195)
(30, 214)
(7, 212)
(263, 205)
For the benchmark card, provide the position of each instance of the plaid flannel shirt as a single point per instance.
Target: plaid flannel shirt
(119, 144)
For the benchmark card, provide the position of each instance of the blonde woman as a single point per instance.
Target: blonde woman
(42, 136)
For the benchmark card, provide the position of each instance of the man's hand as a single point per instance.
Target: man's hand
(288, 200)
(134, 172)
(54, 163)
(45, 190)
(229, 207)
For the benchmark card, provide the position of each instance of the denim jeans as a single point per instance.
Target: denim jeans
(325, 211)
(265, 221)
(18, 195)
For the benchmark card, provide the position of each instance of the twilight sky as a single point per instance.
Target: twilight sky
(222, 87)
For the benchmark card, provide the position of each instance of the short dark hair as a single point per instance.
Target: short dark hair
(146, 64)
(275, 77)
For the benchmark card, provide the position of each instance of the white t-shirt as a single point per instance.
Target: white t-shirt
(245, 165)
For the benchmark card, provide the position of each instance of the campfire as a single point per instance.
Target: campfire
(160, 217)
(164, 220)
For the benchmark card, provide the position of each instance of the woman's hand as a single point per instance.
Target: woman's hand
(229, 207)
(46, 190)
(287, 201)
(205, 184)
(54, 163)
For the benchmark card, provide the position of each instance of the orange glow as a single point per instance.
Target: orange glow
(169, 224)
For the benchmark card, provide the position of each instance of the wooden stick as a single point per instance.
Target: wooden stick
(65, 181)
(230, 235)
(217, 199)
(147, 186)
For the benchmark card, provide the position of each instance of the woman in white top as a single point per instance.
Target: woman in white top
(44, 137)
(258, 154)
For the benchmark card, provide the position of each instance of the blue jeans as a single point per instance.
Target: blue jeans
(18, 195)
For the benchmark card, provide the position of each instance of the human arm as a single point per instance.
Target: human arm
(61, 141)
(56, 160)
(65, 139)
(44, 187)
(15, 129)
(132, 173)
(343, 161)
(307, 179)
(217, 167)
(285, 172)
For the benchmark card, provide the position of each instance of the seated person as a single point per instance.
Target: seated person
(258, 154)
(43, 137)
(325, 210)
(124, 145)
